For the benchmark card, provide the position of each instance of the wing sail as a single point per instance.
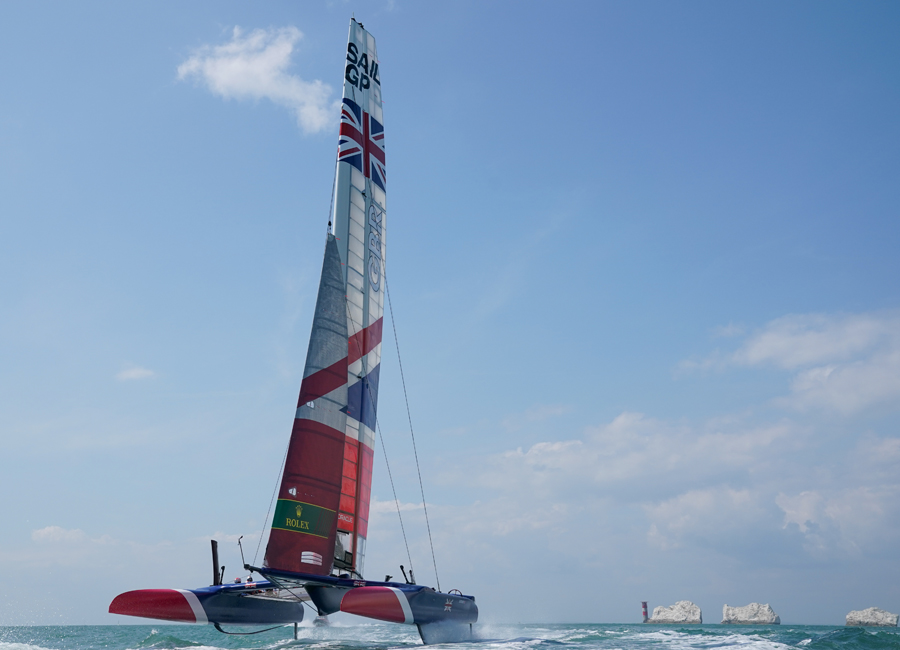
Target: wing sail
(321, 520)
(359, 224)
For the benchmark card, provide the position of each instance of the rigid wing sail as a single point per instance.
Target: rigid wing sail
(317, 542)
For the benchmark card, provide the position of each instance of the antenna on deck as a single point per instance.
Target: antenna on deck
(246, 566)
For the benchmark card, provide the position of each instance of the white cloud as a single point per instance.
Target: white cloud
(255, 65)
(681, 482)
(640, 452)
(135, 372)
(797, 341)
(850, 387)
(727, 484)
(706, 514)
(843, 520)
(390, 507)
(841, 362)
(54, 534)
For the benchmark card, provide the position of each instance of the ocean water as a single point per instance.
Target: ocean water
(492, 637)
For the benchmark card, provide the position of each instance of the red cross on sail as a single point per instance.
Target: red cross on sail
(361, 142)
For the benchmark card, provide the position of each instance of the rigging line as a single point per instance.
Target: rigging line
(387, 292)
(271, 501)
(393, 489)
(359, 347)
(331, 209)
(333, 189)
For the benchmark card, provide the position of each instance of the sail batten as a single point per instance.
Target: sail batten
(329, 464)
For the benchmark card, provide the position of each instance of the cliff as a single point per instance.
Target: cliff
(684, 611)
(872, 617)
(752, 614)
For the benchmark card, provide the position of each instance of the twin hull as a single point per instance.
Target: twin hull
(440, 617)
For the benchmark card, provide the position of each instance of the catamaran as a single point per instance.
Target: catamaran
(317, 542)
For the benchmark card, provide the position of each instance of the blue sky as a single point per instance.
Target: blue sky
(643, 258)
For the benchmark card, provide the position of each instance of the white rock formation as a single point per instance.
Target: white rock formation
(684, 611)
(752, 614)
(872, 617)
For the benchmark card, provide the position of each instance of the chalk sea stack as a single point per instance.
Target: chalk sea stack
(752, 614)
(684, 611)
(872, 617)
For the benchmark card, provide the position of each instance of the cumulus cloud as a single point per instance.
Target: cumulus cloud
(645, 455)
(845, 520)
(255, 66)
(840, 362)
(390, 507)
(54, 534)
(797, 341)
(704, 516)
(728, 483)
(675, 482)
(135, 372)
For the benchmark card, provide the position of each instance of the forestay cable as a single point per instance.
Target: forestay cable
(271, 501)
(383, 448)
(387, 292)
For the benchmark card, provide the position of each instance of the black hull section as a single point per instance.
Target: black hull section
(229, 609)
(326, 599)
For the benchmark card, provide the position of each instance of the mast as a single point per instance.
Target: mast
(321, 519)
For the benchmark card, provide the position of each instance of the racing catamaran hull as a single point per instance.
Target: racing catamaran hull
(394, 602)
(251, 603)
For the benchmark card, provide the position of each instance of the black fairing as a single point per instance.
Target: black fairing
(232, 609)
(326, 599)
(430, 606)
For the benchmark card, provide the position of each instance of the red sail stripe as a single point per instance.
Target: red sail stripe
(323, 382)
(365, 490)
(364, 341)
(354, 133)
(313, 469)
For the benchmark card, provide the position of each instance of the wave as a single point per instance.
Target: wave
(379, 636)
(856, 638)
(166, 642)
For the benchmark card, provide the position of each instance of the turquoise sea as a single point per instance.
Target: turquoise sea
(494, 637)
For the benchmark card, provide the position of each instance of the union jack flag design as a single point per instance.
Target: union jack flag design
(361, 142)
